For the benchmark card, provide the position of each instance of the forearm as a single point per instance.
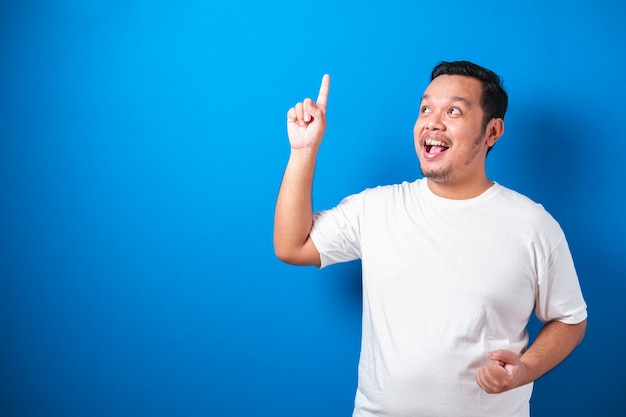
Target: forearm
(293, 217)
(553, 344)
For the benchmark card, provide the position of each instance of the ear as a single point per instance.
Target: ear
(495, 129)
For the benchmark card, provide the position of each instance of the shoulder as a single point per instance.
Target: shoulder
(504, 195)
(528, 212)
(380, 199)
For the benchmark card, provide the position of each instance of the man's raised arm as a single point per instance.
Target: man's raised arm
(293, 217)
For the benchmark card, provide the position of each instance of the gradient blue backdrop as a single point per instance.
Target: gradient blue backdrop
(141, 148)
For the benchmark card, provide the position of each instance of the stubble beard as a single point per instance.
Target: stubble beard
(443, 175)
(446, 174)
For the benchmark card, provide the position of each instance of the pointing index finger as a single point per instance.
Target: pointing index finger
(322, 97)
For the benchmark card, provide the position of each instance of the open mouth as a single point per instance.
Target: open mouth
(434, 146)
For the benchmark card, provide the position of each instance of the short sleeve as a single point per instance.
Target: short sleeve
(336, 232)
(559, 295)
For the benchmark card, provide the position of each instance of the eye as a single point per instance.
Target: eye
(426, 110)
(455, 111)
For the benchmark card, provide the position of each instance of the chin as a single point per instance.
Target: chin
(437, 176)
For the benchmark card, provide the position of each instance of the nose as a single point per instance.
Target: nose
(433, 121)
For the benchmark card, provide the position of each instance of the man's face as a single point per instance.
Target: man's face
(449, 138)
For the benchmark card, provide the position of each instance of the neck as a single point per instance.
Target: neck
(455, 191)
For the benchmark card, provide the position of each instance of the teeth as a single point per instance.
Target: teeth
(433, 142)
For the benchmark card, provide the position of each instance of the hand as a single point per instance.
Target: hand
(306, 121)
(506, 371)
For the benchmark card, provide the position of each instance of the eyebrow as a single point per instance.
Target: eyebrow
(451, 99)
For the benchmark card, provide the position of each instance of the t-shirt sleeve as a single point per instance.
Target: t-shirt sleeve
(336, 232)
(559, 295)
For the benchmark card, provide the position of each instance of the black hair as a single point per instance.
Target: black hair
(494, 100)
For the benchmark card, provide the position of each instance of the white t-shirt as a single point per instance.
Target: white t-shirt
(444, 282)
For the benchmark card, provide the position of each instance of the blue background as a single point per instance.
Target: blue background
(141, 149)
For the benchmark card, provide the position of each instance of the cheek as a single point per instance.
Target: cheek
(417, 129)
(416, 139)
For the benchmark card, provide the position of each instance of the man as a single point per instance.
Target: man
(453, 264)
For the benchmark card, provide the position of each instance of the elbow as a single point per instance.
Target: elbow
(304, 255)
(289, 257)
(283, 254)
